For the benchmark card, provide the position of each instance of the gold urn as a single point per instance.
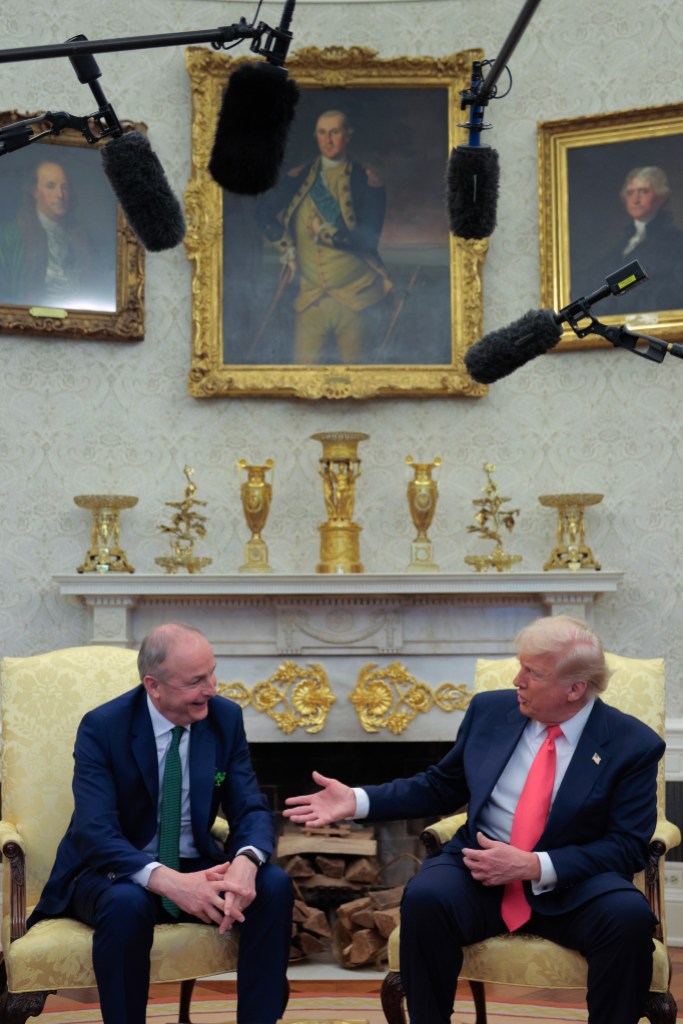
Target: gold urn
(339, 468)
(256, 493)
(423, 492)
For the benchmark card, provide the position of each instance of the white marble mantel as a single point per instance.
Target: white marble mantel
(434, 624)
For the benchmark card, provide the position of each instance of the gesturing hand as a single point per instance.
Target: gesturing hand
(333, 802)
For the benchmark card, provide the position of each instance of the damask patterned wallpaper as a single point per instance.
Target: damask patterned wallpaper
(79, 417)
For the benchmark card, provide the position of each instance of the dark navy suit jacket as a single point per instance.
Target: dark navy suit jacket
(603, 815)
(116, 790)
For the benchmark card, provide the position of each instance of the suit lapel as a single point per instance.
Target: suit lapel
(500, 743)
(588, 763)
(144, 747)
(202, 771)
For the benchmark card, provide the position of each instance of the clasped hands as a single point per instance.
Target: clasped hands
(216, 895)
(498, 863)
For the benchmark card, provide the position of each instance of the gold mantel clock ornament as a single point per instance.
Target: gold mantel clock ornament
(490, 519)
(104, 553)
(423, 492)
(256, 494)
(186, 525)
(571, 551)
(339, 469)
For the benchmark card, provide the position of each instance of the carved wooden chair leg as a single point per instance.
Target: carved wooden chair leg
(479, 998)
(186, 989)
(16, 1008)
(661, 1008)
(391, 995)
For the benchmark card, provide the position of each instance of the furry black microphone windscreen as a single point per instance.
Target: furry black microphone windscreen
(141, 187)
(472, 191)
(503, 351)
(253, 124)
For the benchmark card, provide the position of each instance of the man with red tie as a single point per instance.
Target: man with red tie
(561, 795)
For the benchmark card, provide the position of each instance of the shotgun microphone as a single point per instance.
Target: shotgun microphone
(501, 352)
(256, 113)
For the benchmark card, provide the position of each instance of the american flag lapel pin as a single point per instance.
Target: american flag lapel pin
(596, 759)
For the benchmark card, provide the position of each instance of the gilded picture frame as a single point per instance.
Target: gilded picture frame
(404, 114)
(588, 209)
(70, 265)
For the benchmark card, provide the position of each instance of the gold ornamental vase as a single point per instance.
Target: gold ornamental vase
(339, 468)
(423, 492)
(104, 553)
(256, 493)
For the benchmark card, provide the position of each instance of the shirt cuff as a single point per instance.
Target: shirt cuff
(141, 877)
(254, 849)
(548, 879)
(362, 803)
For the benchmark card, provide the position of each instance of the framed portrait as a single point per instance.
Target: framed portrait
(70, 265)
(610, 192)
(342, 281)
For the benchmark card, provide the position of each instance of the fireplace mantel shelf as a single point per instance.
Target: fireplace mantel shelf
(435, 624)
(197, 586)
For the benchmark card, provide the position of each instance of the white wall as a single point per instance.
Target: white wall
(78, 417)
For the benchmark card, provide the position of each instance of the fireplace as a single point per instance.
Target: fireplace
(284, 769)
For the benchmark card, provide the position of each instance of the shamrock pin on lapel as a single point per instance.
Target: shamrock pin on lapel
(219, 779)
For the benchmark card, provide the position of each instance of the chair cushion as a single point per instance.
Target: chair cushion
(528, 960)
(59, 951)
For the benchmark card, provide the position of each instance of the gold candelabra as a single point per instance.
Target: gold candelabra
(571, 551)
(104, 553)
(490, 519)
(339, 468)
(186, 525)
(256, 494)
(423, 492)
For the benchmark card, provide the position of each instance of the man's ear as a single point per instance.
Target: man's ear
(577, 690)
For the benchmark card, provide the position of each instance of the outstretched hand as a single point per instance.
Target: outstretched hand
(333, 802)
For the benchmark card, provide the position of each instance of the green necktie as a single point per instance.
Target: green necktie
(169, 825)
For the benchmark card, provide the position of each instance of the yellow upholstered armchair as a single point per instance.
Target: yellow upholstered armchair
(43, 700)
(638, 688)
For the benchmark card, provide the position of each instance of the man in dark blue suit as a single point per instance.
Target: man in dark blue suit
(107, 871)
(577, 878)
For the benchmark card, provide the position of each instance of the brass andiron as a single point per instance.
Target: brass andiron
(186, 525)
(104, 553)
(571, 551)
(491, 518)
(256, 493)
(339, 469)
(423, 492)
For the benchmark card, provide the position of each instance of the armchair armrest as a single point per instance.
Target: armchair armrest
(14, 850)
(434, 836)
(667, 834)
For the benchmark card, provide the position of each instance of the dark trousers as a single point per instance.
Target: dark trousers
(444, 909)
(123, 916)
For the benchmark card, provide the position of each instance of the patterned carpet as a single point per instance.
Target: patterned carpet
(323, 1009)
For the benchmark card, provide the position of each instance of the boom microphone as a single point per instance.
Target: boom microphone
(141, 187)
(505, 350)
(472, 191)
(256, 113)
(501, 352)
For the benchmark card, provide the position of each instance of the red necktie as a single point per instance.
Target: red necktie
(528, 824)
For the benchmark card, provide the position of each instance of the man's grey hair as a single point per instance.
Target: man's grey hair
(655, 175)
(157, 645)
(578, 650)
